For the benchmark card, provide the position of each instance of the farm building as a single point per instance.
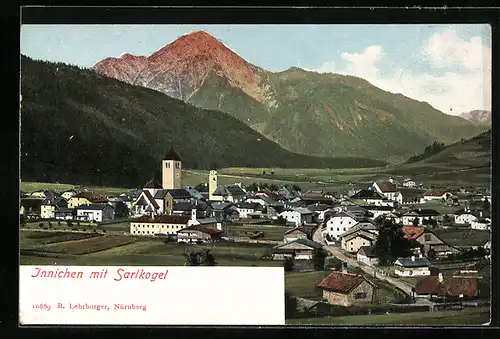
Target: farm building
(95, 212)
(49, 207)
(353, 241)
(340, 288)
(300, 249)
(367, 255)
(413, 266)
(295, 234)
(443, 289)
(427, 240)
(199, 234)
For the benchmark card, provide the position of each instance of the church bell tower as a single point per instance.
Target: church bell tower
(171, 169)
(212, 184)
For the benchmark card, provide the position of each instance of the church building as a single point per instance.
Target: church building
(171, 168)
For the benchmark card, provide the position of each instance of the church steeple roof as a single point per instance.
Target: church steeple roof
(153, 183)
(171, 155)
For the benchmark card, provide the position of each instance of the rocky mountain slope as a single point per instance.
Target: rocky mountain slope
(305, 112)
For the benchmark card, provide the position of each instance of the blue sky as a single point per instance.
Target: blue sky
(424, 62)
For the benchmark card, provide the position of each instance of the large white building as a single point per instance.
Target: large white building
(339, 223)
(158, 225)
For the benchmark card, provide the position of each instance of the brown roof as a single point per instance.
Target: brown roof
(207, 230)
(92, 197)
(435, 193)
(341, 282)
(298, 228)
(171, 219)
(412, 232)
(386, 186)
(171, 155)
(153, 183)
(151, 199)
(449, 287)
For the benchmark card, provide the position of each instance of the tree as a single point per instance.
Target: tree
(416, 221)
(121, 210)
(288, 264)
(252, 187)
(290, 305)
(486, 205)
(192, 258)
(206, 258)
(318, 259)
(281, 221)
(391, 243)
(273, 187)
(431, 254)
(296, 188)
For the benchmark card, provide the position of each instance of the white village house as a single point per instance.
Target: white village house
(339, 223)
(95, 212)
(298, 216)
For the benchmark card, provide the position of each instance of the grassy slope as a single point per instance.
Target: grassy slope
(80, 127)
(357, 117)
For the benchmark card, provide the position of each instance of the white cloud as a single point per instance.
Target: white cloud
(452, 92)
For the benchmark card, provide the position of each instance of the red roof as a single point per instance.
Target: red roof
(341, 282)
(449, 287)
(412, 232)
(171, 219)
(386, 186)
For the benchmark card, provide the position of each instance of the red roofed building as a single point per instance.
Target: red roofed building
(427, 240)
(436, 195)
(345, 289)
(412, 232)
(441, 288)
(199, 234)
(388, 189)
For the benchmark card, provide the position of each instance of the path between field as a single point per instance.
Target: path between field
(335, 251)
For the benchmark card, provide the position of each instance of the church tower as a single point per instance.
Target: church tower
(212, 184)
(171, 167)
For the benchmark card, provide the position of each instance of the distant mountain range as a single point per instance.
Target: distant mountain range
(305, 112)
(478, 117)
(82, 128)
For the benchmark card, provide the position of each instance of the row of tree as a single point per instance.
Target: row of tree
(431, 149)
(254, 187)
(201, 257)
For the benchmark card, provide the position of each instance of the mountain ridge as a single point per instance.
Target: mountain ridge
(480, 117)
(321, 114)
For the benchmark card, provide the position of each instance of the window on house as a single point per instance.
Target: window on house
(360, 295)
(167, 165)
(341, 222)
(427, 237)
(344, 229)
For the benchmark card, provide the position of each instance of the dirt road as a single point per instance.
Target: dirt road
(336, 252)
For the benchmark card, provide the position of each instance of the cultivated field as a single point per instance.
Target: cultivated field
(466, 317)
(128, 250)
(42, 186)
